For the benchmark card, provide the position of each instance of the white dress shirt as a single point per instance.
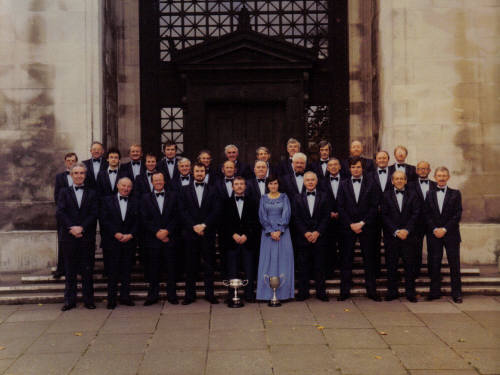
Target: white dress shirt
(199, 193)
(239, 205)
(400, 167)
(262, 186)
(440, 198)
(382, 177)
(300, 182)
(323, 166)
(160, 200)
(335, 184)
(149, 181)
(310, 201)
(136, 169)
(79, 196)
(69, 179)
(424, 186)
(123, 206)
(357, 187)
(399, 198)
(185, 182)
(96, 167)
(112, 178)
(229, 187)
(170, 167)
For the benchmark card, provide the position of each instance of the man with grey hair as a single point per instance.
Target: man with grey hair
(185, 177)
(231, 153)
(285, 165)
(293, 184)
(256, 186)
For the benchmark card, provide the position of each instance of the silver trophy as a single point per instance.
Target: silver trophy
(235, 284)
(274, 284)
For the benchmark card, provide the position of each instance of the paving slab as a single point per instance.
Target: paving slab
(5, 363)
(179, 339)
(121, 343)
(14, 346)
(152, 312)
(393, 318)
(72, 324)
(488, 319)
(316, 306)
(173, 363)
(479, 303)
(183, 321)
(351, 319)
(290, 318)
(409, 336)
(368, 361)
(365, 304)
(443, 372)
(303, 359)
(67, 342)
(432, 307)
(4, 314)
(222, 308)
(249, 339)
(487, 361)
(36, 364)
(33, 315)
(427, 357)
(236, 320)
(300, 335)
(244, 362)
(24, 329)
(39, 307)
(129, 325)
(444, 319)
(200, 306)
(105, 364)
(468, 336)
(345, 338)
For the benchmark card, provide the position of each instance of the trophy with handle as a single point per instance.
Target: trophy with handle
(235, 302)
(274, 283)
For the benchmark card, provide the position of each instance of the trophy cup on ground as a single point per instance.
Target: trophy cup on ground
(235, 302)
(274, 284)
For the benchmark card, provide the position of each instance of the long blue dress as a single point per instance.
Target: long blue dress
(276, 257)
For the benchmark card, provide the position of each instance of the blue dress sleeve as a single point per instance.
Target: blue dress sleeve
(285, 214)
(264, 218)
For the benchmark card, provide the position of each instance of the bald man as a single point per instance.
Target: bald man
(355, 151)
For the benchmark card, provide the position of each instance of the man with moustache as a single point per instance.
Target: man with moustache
(77, 210)
(355, 151)
(120, 219)
(285, 166)
(160, 218)
(311, 214)
(358, 204)
(95, 164)
(325, 153)
(256, 186)
(421, 187)
(200, 210)
(135, 166)
(239, 230)
(63, 180)
(293, 184)
(168, 165)
(443, 211)
(400, 210)
(401, 153)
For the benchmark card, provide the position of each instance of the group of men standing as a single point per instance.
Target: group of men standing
(171, 210)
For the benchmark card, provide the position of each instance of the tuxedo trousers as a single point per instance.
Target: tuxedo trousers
(310, 257)
(121, 258)
(158, 257)
(199, 250)
(419, 245)
(395, 249)
(241, 257)
(79, 257)
(435, 250)
(333, 246)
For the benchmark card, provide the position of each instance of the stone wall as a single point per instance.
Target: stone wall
(50, 101)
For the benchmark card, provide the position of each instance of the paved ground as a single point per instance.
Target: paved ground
(307, 338)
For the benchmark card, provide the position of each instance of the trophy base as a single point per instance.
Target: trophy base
(274, 304)
(235, 305)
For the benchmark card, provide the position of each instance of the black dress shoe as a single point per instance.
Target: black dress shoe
(90, 306)
(301, 297)
(412, 299)
(323, 297)
(150, 301)
(57, 275)
(457, 299)
(68, 307)
(187, 301)
(127, 302)
(343, 297)
(374, 297)
(432, 298)
(250, 299)
(212, 300)
(391, 297)
(173, 301)
(111, 305)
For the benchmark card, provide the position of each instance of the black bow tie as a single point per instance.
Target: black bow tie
(170, 162)
(400, 165)
(162, 194)
(198, 184)
(240, 198)
(441, 189)
(78, 187)
(334, 178)
(112, 171)
(123, 198)
(399, 191)
(66, 173)
(229, 179)
(150, 174)
(311, 193)
(96, 160)
(356, 180)
(297, 174)
(380, 171)
(324, 162)
(136, 163)
(184, 178)
(424, 181)
(261, 180)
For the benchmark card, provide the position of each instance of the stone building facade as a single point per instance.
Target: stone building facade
(423, 73)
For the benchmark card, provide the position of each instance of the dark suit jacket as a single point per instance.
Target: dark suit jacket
(68, 214)
(368, 167)
(220, 185)
(61, 183)
(141, 185)
(162, 166)
(317, 168)
(152, 220)
(303, 221)
(410, 171)
(176, 183)
(126, 170)
(231, 223)
(104, 184)
(288, 185)
(366, 208)
(253, 189)
(421, 226)
(90, 179)
(393, 219)
(112, 223)
(375, 177)
(326, 187)
(273, 170)
(450, 216)
(285, 167)
(192, 214)
(242, 170)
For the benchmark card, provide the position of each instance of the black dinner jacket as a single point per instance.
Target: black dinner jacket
(90, 180)
(410, 171)
(366, 208)
(141, 185)
(253, 188)
(162, 167)
(393, 219)
(288, 185)
(220, 185)
(61, 183)
(176, 183)
(273, 170)
(104, 184)
(242, 169)
(192, 214)
(368, 167)
(316, 168)
(285, 167)
(450, 216)
(68, 213)
(326, 187)
(126, 170)
(213, 175)
(415, 186)
(303, 221)
(375, 177)
(231, 223)
(112, 222)
(153, 220)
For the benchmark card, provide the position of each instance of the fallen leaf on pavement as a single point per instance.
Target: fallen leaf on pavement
(461, 340)
(378, 357)
(347, 310)
(383, 333)
(2, 347)
(78, 334)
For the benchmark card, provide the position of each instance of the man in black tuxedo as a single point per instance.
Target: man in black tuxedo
(107, 178)
(310, 220)
(355, 151)
(185, 178)
(225, 183)
(320, 167)
(200, 209)
(285, 166)
(241, 169)
(160, 218)
(135, 166)
(143, 183)
(358, 204)
(95, 164)
(400, 210)
(293, 184)
(77, 210)
(63, 180)
(401, 153)
(330, 185)
(263, 154)
(119, 218)
(239, 230)
(256, 186)
(421, 186)
(211, 176)
(168, 165)
(443, 211)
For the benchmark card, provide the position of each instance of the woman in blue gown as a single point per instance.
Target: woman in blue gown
(276, 251)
